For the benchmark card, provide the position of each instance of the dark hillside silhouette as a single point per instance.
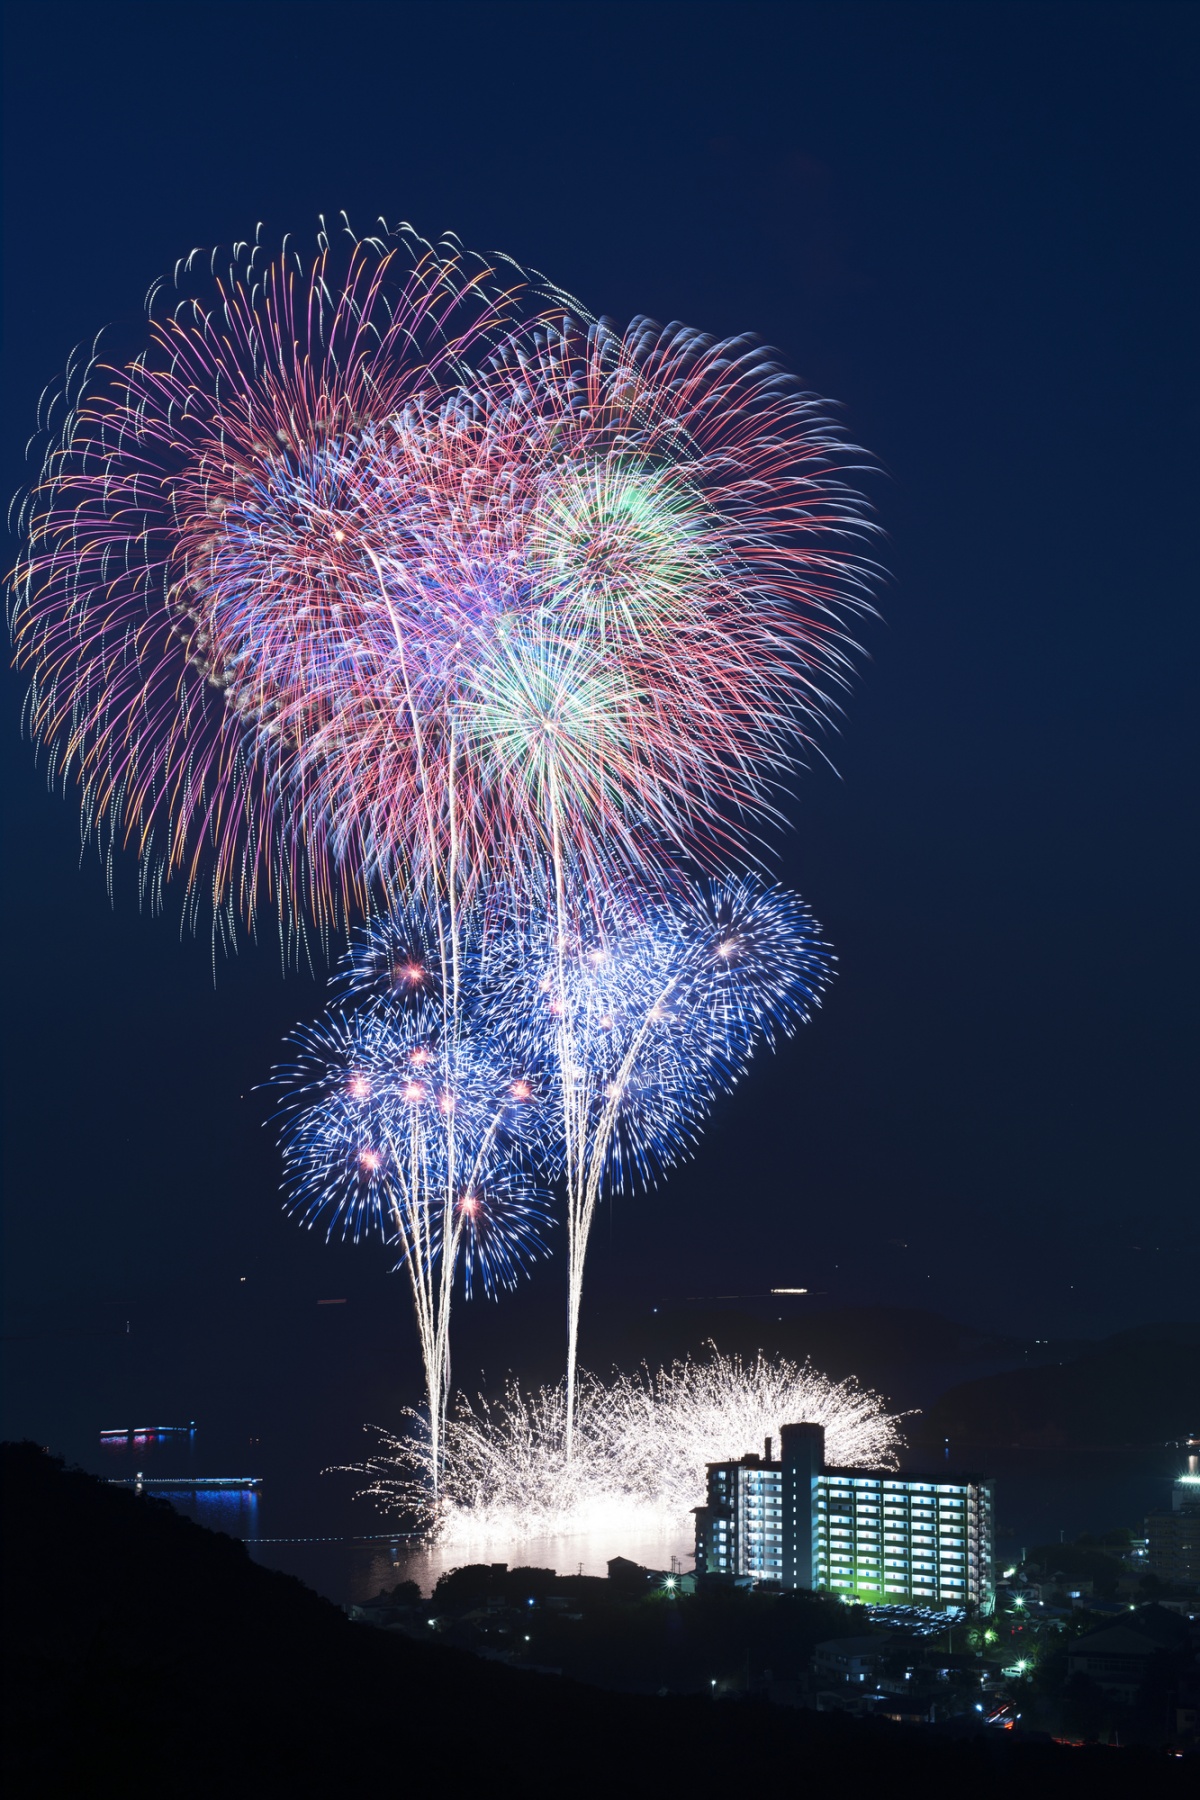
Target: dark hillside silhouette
(142, 1649)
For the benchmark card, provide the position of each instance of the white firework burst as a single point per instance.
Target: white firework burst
(640, 1448)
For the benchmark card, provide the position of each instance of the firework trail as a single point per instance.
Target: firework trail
(642, 1445)
(673, 552)
(398, 1121)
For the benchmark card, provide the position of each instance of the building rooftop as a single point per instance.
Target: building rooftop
(934, 1478)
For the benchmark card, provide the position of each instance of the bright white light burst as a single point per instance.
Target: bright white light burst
(641, 1446)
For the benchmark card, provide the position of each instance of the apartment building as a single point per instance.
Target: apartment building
(871, 1534)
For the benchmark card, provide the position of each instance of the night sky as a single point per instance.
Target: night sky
(973, 226)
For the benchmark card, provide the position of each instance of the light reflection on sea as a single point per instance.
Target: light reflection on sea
(232, 1510)
(575, 1555)
(349, 1571)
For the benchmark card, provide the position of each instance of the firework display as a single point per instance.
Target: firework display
(384, 590)
(642, 1444)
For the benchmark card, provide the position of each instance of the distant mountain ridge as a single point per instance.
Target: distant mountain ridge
(846, 1333)
(1136, 1389)
(908, 1354)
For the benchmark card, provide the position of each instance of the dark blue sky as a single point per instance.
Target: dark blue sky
(973, 225)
